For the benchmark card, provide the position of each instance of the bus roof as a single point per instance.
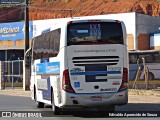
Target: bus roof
(143, 51)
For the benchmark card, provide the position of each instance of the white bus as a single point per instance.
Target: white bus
(81, 63)
(152, 60)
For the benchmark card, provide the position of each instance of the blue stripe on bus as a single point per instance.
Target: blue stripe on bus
(95, 72)
(48, 68)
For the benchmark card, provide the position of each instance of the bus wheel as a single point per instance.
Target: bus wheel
(38, 104)
(55, 109)
(150, 76)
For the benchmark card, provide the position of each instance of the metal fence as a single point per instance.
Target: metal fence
(13, 73)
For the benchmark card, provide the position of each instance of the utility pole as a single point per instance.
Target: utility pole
(71, 13)
(26, 70)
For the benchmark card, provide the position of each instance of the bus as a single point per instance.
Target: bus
(80, 63)
(152, 60)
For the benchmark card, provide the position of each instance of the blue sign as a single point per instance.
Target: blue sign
(14, 31)
(11, 1)
(48, 68)
(77, 84)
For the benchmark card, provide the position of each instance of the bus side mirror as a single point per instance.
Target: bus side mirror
(28, 60)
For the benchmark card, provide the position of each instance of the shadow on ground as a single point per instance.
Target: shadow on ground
(133, 109)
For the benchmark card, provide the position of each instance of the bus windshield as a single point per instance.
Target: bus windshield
(94, 33)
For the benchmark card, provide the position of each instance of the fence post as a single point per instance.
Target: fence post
(145, 73)
(19, 67)
(12, 77)
(1, 80)
(24, 84)
(137, 75)
(147, 80)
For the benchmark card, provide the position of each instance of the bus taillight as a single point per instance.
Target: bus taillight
(117, 21)
(125, 75)
(66, 84)
(124, 84)
(70, 22)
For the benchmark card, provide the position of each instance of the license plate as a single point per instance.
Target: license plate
(96, 98)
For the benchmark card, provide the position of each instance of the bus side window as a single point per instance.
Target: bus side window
(140, 58)
(132, 59)
(149, 58)
(157, 57)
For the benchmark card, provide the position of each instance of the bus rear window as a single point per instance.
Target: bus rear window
(94, 33)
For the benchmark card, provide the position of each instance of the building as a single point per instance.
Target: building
(12, 40)
(139, 29)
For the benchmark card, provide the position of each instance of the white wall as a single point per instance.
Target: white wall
(155, 40)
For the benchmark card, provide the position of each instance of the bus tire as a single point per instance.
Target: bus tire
(150, 76)
(38, 104)
(55, 109)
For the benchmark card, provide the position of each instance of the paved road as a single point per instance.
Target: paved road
(15, 103)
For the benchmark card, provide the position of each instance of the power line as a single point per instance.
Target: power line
(10, 12)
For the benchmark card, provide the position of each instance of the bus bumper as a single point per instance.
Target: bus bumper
(91, 100)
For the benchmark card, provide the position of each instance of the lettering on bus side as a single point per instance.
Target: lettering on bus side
(108, 89)
(48, 68)
(114, 68)
(77, 70)
(116, 83)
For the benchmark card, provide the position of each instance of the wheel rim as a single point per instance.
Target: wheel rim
(53, 106)
(36, 99)
(150, 77)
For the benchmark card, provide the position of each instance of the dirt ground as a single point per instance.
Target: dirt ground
(16, 92)
(135, 96)
(144, 96)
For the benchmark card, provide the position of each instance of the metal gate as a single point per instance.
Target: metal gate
(12, 73)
